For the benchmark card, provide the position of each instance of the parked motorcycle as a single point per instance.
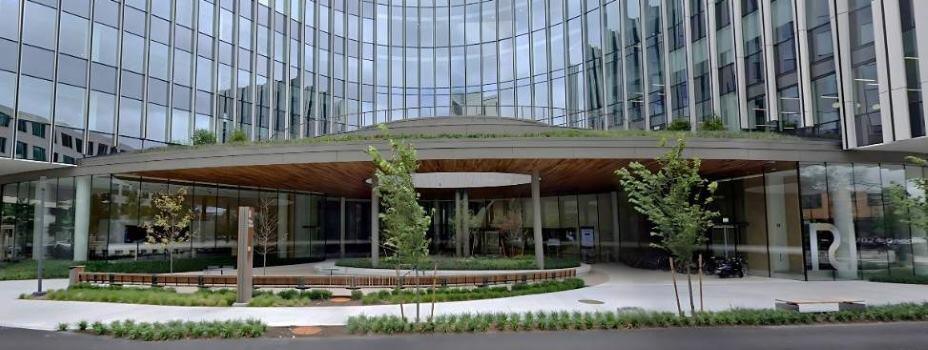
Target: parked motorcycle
(730, 267)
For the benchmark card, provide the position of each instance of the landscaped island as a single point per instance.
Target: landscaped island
(295, 298)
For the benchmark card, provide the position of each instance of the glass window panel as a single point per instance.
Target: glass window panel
(9, 19)
(74, 35)
(35, 99)
(39, 23)
(102, 111)
(39, 63)
(130, 117)
(69, 106)
(104, 44)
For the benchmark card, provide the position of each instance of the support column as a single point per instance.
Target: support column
(616, 235)
(81, 217)
(457, 223)
(375, 228)
(341, 227)
(465, 222)
(38, 222)
(283, 225)
(536, 221)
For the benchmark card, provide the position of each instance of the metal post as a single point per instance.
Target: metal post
(39, 231)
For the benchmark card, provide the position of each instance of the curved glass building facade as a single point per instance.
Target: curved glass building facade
(87, 77)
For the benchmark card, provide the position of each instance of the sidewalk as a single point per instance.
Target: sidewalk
(624, 288)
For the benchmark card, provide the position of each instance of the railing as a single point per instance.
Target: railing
(78, 275)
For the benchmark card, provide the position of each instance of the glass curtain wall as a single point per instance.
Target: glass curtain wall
(97, 77)
(850, 227)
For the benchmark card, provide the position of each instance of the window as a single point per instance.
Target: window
(38, 153)
(73, 37)
(105, 43)
(39, 25)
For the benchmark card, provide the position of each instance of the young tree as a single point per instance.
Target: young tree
(510, 229)
(265, 229)
(676, 199)
(170, 221)
(911, 209)
(405, 222)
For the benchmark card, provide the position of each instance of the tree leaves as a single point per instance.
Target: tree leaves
(675, 198)
(405, 222)
(171, 218)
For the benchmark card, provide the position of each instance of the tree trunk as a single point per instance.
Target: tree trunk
(398, 288)
(264, 262)
(689, 285)
(434, 281)
(676, 292)
(171, 259)
(416, 271)
(701, 301)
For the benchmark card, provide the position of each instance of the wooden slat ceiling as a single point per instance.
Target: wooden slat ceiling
(559, 176)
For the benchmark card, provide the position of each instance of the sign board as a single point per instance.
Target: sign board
(246, 237)
(587, 237)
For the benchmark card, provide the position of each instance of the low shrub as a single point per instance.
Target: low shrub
(169, 296)
(238, 136)
(713, 124)
(62, 327)
(470, 263)
(459, 294)
(357, 295)
(530, 321)
(174, 330)
(289, 297)
(203, 137)
(679, 124)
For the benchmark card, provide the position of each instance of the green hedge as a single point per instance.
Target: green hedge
(150, 296)
(900, 278)
(533, 321)
(471, 263)
(458, 294)
(174, 330)
(169, 296)
(26, 269)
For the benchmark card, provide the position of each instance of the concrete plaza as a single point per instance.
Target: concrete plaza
(616, 286)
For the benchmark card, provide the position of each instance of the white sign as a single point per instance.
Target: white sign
(587, 237)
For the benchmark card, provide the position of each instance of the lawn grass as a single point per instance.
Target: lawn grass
(524, 262)
(547, 321)
(26, 269)
(170, 296)
(459, 294)
(173, 330)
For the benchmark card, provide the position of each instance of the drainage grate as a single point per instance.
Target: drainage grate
(590, 301)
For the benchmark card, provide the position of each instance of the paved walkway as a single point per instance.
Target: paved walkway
(621, 287)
